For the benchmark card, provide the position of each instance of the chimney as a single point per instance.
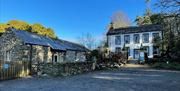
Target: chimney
(111, 26)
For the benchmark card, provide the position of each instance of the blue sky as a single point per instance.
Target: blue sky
(70, 18)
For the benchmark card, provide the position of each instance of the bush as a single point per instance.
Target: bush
(107, 60)
(119, 58)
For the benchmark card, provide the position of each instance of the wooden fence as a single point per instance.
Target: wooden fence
(13, 69)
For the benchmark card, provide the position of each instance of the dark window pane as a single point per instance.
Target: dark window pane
(118, 40)
(55, 58)
(146, 38)
(118, 49)
(127, 39)
(155, 37)
(136, 38)
(155, 50)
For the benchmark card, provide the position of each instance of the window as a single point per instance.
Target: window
(118, 40)
(7, 56)
(136, 38)
(127, 39)
(155, 37)
(61, 57)
(155, 50)
(118, 49)
(55, 58)
(136, 54)
(146, 38)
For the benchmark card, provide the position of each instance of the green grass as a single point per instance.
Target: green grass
(170, 66)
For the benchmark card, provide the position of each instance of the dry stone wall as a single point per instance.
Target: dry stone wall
(9, 42)
(66, 69)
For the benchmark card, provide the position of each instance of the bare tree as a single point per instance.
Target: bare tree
(169, 6)
(148, 9)
(87, 40)
(120, 19)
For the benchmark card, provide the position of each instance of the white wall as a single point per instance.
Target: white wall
(132, 46)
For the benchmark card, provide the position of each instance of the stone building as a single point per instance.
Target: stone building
(19, 45)
(133, 38)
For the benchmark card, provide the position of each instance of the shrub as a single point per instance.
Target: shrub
(108, 60)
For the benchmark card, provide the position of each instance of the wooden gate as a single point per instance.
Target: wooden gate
(13, 69)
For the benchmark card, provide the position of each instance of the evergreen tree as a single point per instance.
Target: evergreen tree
(145, 20)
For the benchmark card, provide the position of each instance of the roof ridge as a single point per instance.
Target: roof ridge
(136, 29)
(73, 43)
(136, 26)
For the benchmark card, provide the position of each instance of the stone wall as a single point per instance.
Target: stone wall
(66, 69)
(20, 51)
(40, 53)
(81, 56)
(72, 56)
(60, 56)
(9, 42)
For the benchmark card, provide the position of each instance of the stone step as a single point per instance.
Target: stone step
(133, 62)
(136, 66)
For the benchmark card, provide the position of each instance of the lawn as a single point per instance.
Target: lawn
(163, 65)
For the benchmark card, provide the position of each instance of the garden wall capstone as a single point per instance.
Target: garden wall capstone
(66, 69)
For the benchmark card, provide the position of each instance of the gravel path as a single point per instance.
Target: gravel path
(123, 79)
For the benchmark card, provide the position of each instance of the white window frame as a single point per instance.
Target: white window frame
(118, 40)
(127, 39)
(144, 37)
(134, 38)
(7, 56)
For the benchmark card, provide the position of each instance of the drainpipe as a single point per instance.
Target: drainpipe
(162, 35)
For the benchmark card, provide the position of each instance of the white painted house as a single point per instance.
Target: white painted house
(133, 38)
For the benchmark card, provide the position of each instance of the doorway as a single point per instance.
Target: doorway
(136, 53)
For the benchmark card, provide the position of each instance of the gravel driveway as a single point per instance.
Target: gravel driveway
(123, 79)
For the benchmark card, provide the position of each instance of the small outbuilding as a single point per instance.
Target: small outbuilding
(19, 45)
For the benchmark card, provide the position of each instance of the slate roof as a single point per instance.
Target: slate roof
(1, 34)
(56, 44)
(72, 46)
(135, 29)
